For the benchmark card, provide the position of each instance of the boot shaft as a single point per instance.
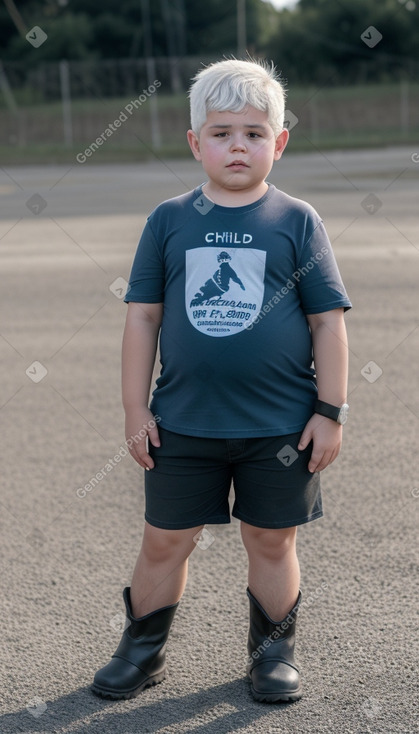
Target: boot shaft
(139, 660)
(144, 640)
(151, 624)
(269, 639)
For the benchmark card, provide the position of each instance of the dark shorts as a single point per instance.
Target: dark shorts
(191, 481)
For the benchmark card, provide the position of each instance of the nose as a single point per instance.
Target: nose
(238, 143)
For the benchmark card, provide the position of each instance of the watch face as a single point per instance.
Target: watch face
(343, 414)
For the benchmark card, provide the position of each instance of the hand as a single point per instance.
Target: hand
(326, 435)
(140, 426)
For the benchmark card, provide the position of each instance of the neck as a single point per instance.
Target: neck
(227, 197)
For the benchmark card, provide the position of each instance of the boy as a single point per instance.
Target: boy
(239, 281)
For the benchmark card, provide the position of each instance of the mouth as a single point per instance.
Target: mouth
(238, 164)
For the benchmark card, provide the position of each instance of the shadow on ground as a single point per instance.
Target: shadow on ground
(81, 709)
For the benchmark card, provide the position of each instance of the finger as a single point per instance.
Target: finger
(304, 440)
(316, 461)
(325, 460)
(334, 455)
(142, 457)
(146, 461)
(153, 435)
(330, 457)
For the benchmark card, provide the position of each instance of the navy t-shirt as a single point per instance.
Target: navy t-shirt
(236, 283)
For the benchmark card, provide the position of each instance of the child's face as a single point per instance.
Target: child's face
(237, 149)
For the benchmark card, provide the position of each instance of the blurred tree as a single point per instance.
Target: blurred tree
(317, 41)
(68, 38)
(114, 28)
(321, 41)
(212, 26)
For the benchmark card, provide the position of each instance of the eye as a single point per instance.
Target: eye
(220, 135)
(254, 135)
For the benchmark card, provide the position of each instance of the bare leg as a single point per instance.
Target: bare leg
(161, 569)
(274, 571)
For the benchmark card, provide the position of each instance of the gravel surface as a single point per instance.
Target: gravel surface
(67, 558)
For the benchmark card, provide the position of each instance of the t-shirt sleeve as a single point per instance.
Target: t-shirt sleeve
(318, 277)
(146, 283)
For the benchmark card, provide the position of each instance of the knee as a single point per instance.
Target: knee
(272, 544)
(163, 545)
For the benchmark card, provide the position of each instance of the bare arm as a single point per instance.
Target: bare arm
(139, 347)
(330, 348)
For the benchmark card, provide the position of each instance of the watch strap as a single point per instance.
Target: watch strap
(327, 410)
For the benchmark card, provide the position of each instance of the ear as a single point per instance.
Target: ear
(193, 141)
(280, 144)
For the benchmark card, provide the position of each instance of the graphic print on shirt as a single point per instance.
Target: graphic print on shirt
(224, 288)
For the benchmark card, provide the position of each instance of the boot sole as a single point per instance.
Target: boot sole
(276, 697)
(126, 695)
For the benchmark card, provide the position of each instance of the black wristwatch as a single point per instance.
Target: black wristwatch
(340, 415)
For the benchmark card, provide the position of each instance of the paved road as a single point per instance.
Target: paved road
(67, 235)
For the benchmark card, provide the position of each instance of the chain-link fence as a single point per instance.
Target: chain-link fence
(143, 102)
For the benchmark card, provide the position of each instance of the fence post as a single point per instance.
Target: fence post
(314, 116)
(11, 104)
(66, 102)
(154, 111)
(176, 81)
(404, 107)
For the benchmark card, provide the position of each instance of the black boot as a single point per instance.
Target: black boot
(271, 667)
(139, 660)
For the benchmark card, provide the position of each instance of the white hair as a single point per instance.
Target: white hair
(231, 85)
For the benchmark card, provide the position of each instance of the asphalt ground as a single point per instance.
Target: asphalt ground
(66, 559)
